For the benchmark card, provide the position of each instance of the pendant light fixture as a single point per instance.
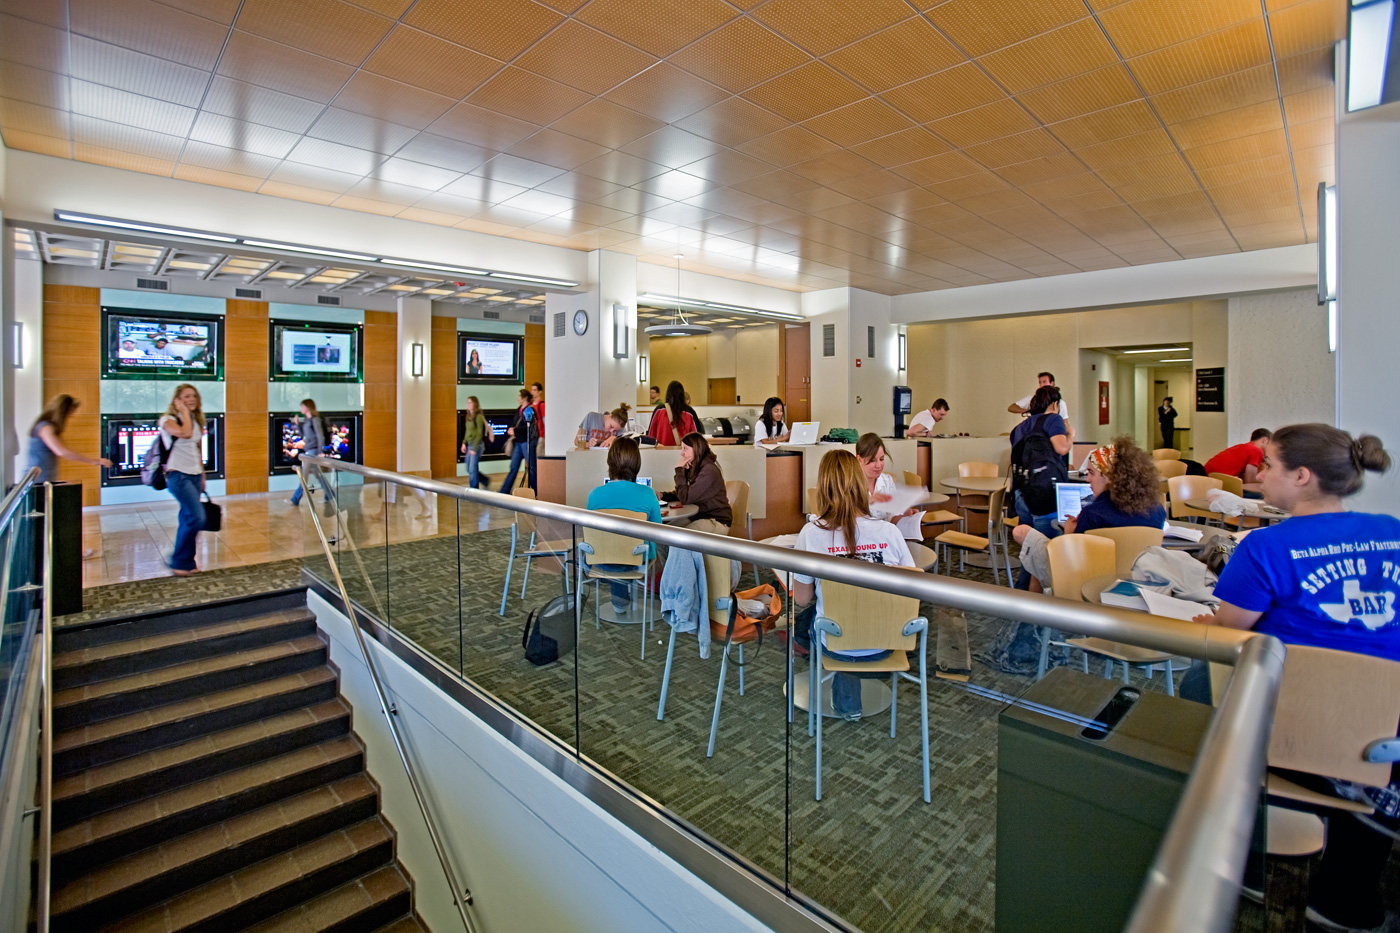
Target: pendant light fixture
(678, 326)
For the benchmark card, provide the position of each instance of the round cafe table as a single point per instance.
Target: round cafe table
(1265, 513)
(633, 615)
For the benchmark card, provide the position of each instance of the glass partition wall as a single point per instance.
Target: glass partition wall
(468, 578)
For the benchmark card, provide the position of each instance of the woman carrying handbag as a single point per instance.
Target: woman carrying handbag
(182, 430)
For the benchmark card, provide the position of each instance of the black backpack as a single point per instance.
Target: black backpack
(1036, 468)
(549, 631)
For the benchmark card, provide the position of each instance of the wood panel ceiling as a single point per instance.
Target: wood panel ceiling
(892, 145)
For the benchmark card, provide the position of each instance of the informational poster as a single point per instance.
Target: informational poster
(1103, 403)
(1210, 389)
(316, 352)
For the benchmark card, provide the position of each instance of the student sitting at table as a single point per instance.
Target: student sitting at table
(1292, 581)
(1126, 488)
(770, 429)
(598, 429)
(926, 421)
(673, 420)
(844, 518)
(879, 485)
(1241, 460)
(622, 491)
(699, 482)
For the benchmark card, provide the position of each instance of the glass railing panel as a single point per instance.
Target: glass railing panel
(735, 795)
(514, 565)
(421, 559)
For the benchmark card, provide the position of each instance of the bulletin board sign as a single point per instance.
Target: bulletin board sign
(1210, 389)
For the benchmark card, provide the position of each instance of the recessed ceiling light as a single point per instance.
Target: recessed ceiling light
(76, 218)
(1160, 350)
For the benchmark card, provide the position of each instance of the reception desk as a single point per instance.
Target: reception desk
(932, 458)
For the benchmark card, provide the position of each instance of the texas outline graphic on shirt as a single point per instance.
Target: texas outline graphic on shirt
(1373, 610)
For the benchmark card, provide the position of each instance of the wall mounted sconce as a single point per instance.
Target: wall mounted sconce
(621, 348)
(1327, 258)
(903, 353)
(19, 345)
(417, 360)
(642, 369)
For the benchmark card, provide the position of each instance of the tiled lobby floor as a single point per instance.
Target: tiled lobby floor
(132, 542)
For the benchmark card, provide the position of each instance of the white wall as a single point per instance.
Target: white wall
(415, 400)
(535, 854)
(831, 376)
(1283, 371)
(27, 279)
(871, 406)
(756, 352)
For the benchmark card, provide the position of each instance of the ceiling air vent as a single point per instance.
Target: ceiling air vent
(328, 300)
(491, 315)
(155, 285)
(559, 324)
(253, 293)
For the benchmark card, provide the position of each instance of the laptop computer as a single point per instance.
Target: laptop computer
(1070, 498)
(804, 432)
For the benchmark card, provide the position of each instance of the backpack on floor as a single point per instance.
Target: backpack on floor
(1036, 468)
(549, 631)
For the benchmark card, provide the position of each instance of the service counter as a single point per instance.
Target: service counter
(588, 469)
(932, 458)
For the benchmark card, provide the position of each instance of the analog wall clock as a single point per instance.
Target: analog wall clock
(580, 322)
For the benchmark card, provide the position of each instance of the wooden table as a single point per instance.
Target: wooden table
(934, 499)
(1266, 513)
(678, 513)
(979, 484)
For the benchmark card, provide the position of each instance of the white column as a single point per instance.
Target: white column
(415, 392)
(1368, 214)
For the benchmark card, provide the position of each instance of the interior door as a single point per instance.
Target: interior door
(797, 372)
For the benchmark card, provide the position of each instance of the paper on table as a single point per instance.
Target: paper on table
(912, 526)
(902, 499)
(784, 541)
(1183, 532)
(1173, 608)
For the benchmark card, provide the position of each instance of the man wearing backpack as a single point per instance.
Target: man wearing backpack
(1039, 446)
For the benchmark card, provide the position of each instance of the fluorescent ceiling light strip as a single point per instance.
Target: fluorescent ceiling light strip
(531, 278)
(1183, 360)
(71, 217)
(308, 250)
(1159, 350)
(436, 267)
(720, 306)
(1329, 230)
(1367, 46)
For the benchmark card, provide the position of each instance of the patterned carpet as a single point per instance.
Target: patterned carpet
(871, 851)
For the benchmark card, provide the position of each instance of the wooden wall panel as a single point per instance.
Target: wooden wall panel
(444, 417)
(72, 355)
(381, 390)
(534, 353)
(245, 397)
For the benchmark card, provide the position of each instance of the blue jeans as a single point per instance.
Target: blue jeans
(1045, 524)
(474, 466)
(185, 488)
(314, 472)
(845, 686)
(520, 452)
(621, 591)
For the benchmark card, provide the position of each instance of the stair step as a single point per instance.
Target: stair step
(364, 905)
(162, 871)
(109, 836)
(93, 663)
(153, 622)
(93, 790)
(120, 737)
(122, 695)
(276, 884)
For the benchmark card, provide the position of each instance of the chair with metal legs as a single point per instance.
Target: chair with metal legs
(600, 550)
(523, 528)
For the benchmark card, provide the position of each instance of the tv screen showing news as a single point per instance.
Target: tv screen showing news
(126, 438)
(490, 359)
(305, 351)
(155, 345)
(285, 443)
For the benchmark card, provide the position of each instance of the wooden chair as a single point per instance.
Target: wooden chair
(524, 524)
(741, 522)
(1129, 542)
(603, 547)
(970, 469)
(1167, 469)
(1231, 484)
(854, 618)
(1181, 488)
(977, 468)
(1075, 559)
(1166, 453)
(938, 518)
(996, 534)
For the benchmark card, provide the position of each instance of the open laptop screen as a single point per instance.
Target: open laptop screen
(1070, 498)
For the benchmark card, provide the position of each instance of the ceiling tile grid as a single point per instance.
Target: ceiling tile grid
(799, 143)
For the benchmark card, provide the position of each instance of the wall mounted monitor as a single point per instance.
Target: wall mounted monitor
(284, 441)
(490, 359)
(499, 419)
(310, 351)
(160, 345)
(126, 438)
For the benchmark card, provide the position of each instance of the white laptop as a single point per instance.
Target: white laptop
(803, 433)
(644, 481)
(1070, 498)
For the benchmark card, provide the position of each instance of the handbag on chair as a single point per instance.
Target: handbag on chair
(743, 628)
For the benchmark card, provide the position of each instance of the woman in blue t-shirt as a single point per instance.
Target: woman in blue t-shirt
(622, 491)
(1328, 578)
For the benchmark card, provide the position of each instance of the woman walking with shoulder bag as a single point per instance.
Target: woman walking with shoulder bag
(182, 430)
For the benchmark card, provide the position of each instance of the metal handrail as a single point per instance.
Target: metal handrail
(42, 912)
(1193, 881)
(461, 896)
(15, 496)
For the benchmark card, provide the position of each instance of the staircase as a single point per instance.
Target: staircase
(206, 778)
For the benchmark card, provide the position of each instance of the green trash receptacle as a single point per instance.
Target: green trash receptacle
(1082, 808)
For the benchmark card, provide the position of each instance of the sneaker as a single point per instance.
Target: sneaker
(849, 717)
(1252, 894)
(1326, 923)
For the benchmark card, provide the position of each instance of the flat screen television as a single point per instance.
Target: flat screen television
(284, 442)
(490, 359)
(126, 438)
(499, 419)
(161, 345)
(310, 351)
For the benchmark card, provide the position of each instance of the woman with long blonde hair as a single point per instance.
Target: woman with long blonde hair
(181, 433)
(844, 527)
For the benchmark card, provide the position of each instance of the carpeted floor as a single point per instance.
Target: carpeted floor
(870, 851)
